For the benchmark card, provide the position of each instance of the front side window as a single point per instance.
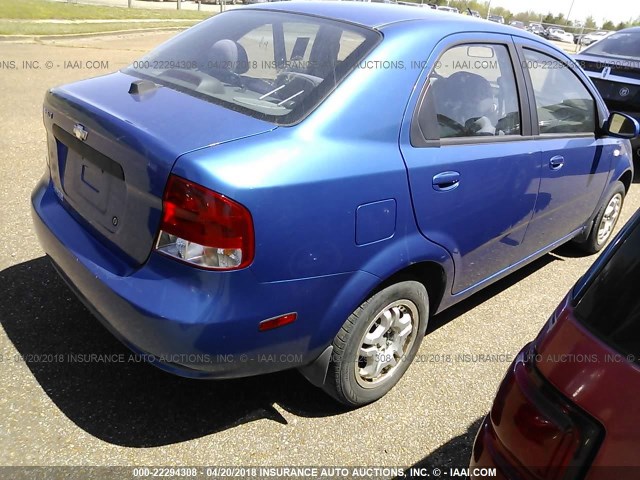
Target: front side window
(563, 103)
(474, 91)
(272, 65)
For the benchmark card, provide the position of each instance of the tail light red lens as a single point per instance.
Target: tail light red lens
(549, 436)
(204, 228)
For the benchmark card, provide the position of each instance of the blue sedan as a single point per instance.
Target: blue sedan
(302, 185)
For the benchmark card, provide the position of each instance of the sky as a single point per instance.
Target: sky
(614, 10)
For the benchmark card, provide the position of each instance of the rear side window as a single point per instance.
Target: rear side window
(610, 307)
(563, 103)
(474, 91)
(272, 65)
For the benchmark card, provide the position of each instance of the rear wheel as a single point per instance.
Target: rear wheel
(605, 221)
(377, 343)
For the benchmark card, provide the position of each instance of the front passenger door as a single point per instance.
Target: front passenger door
(575, 164)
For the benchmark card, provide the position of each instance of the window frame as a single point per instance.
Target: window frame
(599, 112)
(430, 135)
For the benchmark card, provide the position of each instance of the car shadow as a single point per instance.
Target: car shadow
(124, 401)
(129, 402)
(487, 293)
(569, 250)
(456, 453)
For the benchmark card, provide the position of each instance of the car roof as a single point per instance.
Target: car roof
(378, 15)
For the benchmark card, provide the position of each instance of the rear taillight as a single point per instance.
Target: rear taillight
(549, 436)
(204, 228)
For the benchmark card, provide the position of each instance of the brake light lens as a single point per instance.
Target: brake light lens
(550, 437)
(204, 228)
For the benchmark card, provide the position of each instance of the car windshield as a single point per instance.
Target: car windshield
(272, 65)
(621, 44)
(610, 307)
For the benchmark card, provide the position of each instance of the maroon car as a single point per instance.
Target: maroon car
(569, 406)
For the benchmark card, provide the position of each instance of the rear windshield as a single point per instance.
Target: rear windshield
(622, 44)
(610, 307)
(272, 65)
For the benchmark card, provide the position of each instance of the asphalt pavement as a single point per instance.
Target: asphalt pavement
(59, 411)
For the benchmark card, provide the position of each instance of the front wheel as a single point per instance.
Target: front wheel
(605, 221)
(377, 343)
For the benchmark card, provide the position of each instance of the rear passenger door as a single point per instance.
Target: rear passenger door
(575, 163)
(472, 163)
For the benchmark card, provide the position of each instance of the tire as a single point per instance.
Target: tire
(376, 326)
(605, 220)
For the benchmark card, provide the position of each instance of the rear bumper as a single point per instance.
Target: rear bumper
(486, 454)
(506, 439)
(489, 453)
(187, 321)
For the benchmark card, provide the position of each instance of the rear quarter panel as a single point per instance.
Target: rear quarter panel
(303, 184)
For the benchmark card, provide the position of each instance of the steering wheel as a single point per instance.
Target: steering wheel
(473, 129)
(445, 121)
(559, 119)
(569, 114)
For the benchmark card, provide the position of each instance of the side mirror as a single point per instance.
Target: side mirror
(621, 125)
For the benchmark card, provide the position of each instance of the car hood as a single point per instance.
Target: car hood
(608, 59)
(595, 66)
(616, 78)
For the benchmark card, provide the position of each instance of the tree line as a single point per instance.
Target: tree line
(573, 26)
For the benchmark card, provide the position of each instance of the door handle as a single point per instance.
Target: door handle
(556, 163)
(446, 181)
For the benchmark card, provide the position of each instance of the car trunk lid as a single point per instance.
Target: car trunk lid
(111, 152)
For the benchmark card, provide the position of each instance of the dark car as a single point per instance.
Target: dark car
(614, 67)
(568, 405)
(303, 184)
(496, 18)
(518, 24)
